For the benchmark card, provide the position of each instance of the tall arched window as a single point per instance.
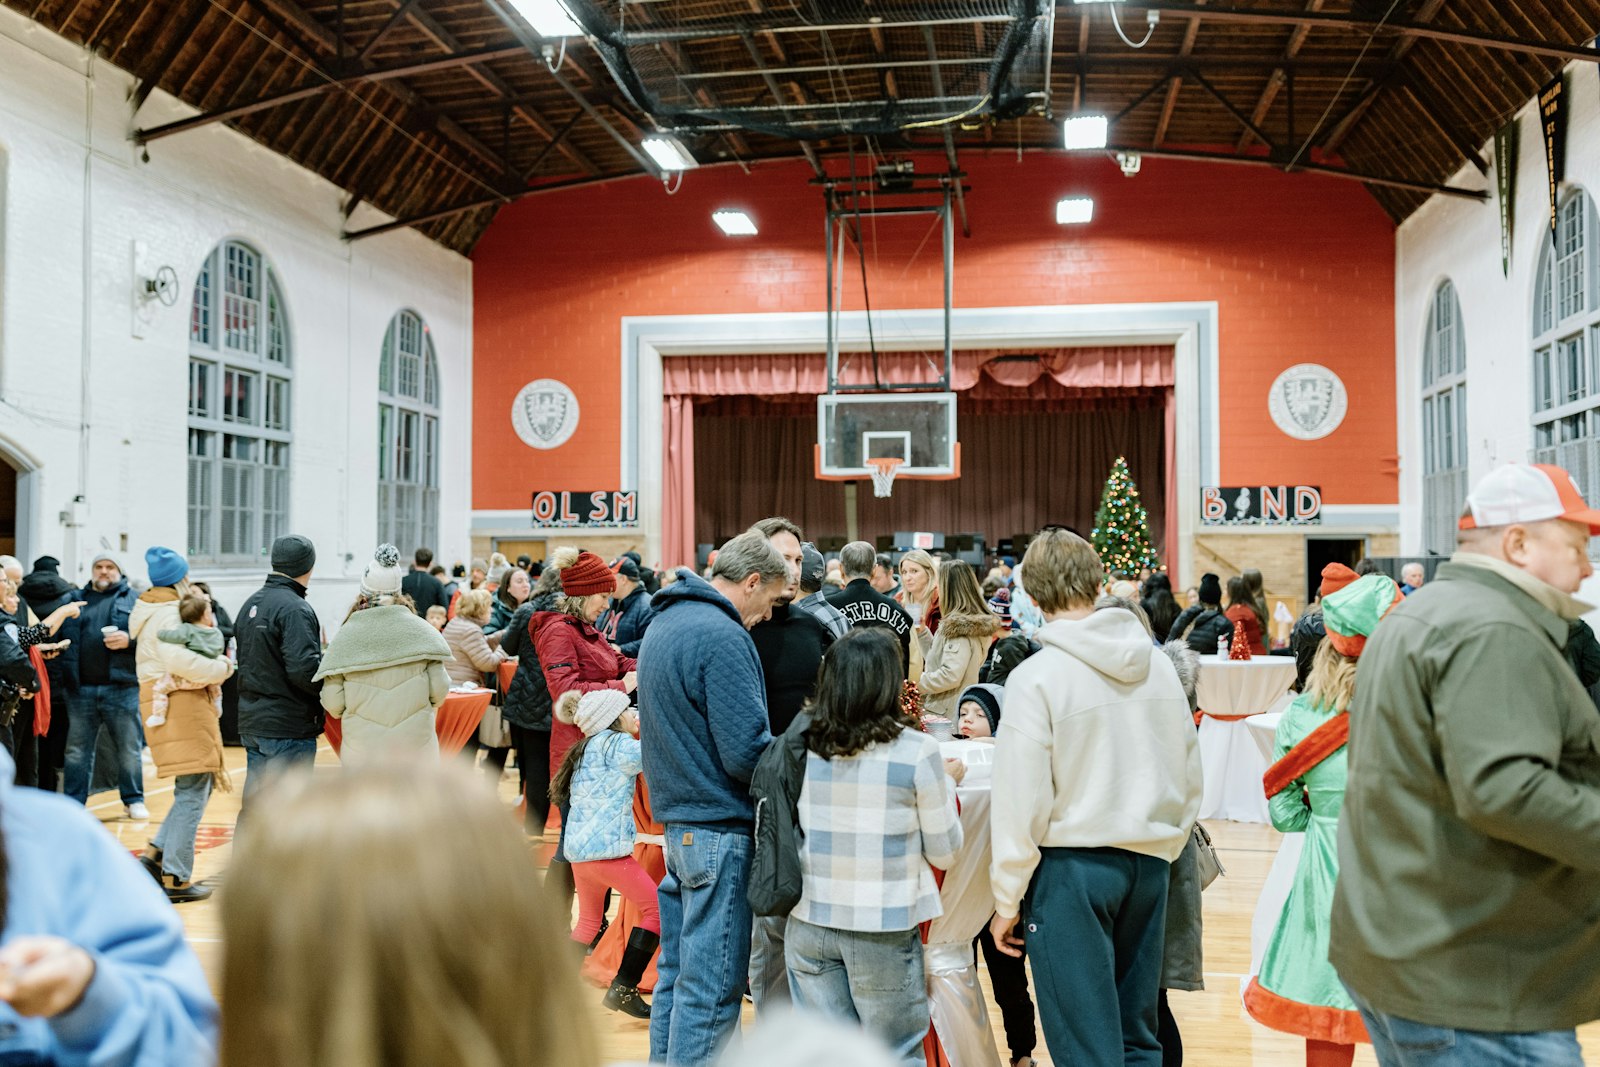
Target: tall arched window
(408, 436)
(1566, 336)
(1444, 421)
(239, 421)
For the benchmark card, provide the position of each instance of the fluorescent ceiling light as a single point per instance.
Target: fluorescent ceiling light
(668, 152)
(734, 223)
(1074, 209)
(1083, 132)
(547, 17)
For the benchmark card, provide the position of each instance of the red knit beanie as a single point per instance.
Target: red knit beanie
(1335, 576)
(587, 576)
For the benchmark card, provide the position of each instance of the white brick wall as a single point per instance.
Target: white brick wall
(1460, 240)
(74, 198)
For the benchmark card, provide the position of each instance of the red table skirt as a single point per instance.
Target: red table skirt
(456, 721)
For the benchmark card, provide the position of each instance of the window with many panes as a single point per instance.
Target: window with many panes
(239, 415)
(1444, 420)
(408, 436)
(1566, 346)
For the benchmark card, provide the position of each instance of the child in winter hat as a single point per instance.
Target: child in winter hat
(592, 712)
(383, 574)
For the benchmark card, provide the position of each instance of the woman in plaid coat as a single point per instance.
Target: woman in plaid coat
(878, 812)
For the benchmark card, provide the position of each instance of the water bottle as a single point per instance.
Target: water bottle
(1222, 648)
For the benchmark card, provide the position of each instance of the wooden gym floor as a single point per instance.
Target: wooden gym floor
(1216, 1032)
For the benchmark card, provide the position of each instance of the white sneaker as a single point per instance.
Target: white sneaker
(137, 811)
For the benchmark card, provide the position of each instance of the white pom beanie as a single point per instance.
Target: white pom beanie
(383, 574)
(592, 712)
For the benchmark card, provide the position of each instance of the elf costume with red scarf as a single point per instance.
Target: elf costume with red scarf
(1297, 990)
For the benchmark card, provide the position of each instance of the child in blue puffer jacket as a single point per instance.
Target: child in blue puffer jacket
(594, 789)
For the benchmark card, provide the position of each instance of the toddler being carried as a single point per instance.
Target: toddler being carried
(199, 634)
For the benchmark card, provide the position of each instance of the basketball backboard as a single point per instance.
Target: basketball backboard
(917, 428)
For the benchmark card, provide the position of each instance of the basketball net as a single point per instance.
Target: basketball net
(883, 472)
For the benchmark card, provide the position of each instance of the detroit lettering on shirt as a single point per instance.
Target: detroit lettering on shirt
(866, 613)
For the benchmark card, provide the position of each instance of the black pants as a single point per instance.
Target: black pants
(1009, 976)
(533, 757)
(1167, 1034)
(23, 746)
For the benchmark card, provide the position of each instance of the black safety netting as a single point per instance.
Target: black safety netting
(812, 69)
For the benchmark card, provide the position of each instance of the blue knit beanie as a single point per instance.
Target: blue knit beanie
(166, 566)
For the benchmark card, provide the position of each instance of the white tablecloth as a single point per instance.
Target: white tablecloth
(955, 1001)
(1232, 761)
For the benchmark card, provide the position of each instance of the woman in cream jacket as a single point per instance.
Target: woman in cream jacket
(951, 658)
(383, 673)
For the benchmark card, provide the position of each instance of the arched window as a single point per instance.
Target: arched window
(1566, 336)
(239, 420)
(1444, 421)
(408, 436)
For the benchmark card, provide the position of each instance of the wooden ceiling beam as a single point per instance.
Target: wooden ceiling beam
(1446, 126)
(1175, 86)
(1404, 28)
(1375, 88)
(1275, 81)
(162, 61)
(397, 17)
(145, 136)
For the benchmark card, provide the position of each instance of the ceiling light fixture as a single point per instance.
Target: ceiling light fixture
(1082, 132)
(668, 152)
(734, 223)
(549, 18)
(1074, 210)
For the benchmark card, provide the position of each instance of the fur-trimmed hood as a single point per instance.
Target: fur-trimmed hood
(952, 627)
(1187, 662)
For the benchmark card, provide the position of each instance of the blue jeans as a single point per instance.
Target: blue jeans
(1095, 923)
(267, 757)
(115, 707)
(769, 971)
(1403, 1043)
(873, 978)
(175, 839)
(705, 918)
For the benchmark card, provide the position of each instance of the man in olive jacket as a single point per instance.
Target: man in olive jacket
(1467, 914)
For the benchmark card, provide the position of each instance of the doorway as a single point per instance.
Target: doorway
(511, 549)
(1321, 551)
(8, 509)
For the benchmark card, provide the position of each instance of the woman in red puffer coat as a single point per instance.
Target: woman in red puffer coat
(574, 655)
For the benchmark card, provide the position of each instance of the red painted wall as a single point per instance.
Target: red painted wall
(1302, 269)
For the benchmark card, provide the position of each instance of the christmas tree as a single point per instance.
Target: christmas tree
(1240, 648)
(1121, 527)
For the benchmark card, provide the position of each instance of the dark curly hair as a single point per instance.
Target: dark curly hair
(858, 694)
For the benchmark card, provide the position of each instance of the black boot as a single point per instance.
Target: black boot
(624, 995)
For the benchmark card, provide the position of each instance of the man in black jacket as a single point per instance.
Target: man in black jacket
(864, 605)
(791, 645)
(423, 588)
(1202, 625)
(108, 689)
(629, 616)
(280, 649)
(44, 591)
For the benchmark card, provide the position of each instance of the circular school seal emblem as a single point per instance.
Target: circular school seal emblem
(545, 413)
(1307, 401)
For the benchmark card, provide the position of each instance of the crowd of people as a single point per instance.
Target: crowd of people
(747, 762)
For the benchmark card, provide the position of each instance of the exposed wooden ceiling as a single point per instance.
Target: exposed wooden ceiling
(436, 113)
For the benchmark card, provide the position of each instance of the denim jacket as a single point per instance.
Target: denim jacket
(600, 825)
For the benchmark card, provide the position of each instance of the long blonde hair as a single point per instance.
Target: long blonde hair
(350, 944)
(959, 593)
(1332, 683)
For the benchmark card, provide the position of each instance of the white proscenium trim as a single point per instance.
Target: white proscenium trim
(1190, 327)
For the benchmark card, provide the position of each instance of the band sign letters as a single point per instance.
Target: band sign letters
(1260, 505)
(600, 508)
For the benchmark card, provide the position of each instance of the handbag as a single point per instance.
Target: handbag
(1209, 864)
(494, 731)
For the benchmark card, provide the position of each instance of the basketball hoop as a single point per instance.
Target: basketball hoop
(883, 471)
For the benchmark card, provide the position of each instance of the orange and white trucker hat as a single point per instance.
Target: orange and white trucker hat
(1518, 492)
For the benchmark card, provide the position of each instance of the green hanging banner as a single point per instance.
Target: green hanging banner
(1505, 180)
(1553, 116)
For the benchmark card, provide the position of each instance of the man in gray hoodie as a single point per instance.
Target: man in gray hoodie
(1096, 789)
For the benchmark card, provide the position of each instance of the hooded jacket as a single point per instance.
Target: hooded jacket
(280, 650)
(1099, 751)
(626, 621)
(383, 675)
(148, 1002)
(953, 658)
(190, 741)
(44, 591)
(97, 664)
(702, 708)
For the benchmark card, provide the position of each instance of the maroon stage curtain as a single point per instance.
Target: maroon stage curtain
(1039, 432)
(1019, 470)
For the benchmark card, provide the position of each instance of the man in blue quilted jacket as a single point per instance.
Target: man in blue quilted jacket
(703, 726)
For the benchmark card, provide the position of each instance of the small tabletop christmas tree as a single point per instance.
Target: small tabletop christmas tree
(1240, 649)
(1121, 533)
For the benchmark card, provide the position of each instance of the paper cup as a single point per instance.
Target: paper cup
(108, 630)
